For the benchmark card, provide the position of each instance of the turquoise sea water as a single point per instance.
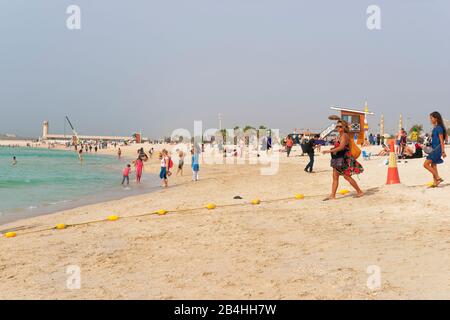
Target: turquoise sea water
(48, 180)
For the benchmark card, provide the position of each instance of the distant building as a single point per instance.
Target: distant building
(46, 136)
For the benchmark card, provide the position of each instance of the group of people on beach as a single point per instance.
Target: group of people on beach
(166, 164)
(344, 157)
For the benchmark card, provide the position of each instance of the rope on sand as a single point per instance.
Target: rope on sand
(209, 206)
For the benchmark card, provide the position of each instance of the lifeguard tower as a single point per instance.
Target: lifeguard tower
(357, 121)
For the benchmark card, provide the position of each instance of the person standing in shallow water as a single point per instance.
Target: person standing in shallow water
(80, 155)
(14, 161)
(438, 138)
(126, 175)
(342, 161)
(139, 168)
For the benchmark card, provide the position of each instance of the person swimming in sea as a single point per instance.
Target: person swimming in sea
(14, 161)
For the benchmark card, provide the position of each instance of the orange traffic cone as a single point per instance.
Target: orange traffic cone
(393, 177)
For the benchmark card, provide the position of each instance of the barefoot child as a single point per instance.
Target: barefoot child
(195, 165)
(126, 174)
(180, 162)
(165, 167)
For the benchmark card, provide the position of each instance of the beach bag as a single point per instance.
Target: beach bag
(355, 151)
(170, 163)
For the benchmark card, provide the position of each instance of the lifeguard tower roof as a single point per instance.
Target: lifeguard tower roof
(351, 110)
(357, 121)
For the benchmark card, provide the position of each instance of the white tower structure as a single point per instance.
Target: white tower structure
(45, 130)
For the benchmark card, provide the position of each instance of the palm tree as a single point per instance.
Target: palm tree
(224, 134)
(261, 129)
(248, 127)
(236, 131)
(246, 130)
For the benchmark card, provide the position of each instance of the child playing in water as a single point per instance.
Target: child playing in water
(126, 174)
(14, 161)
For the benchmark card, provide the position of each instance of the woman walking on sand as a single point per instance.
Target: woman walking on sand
(438, 138)
(342, 162)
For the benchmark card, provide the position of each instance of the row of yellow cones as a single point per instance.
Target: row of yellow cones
(209, 206)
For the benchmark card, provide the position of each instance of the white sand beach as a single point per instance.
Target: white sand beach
(285, 249)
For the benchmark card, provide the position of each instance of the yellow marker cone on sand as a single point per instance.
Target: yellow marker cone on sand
(343, 191)
(113, 217)
(10, 234)
(256, 201)
(60, 226)
(299, 196)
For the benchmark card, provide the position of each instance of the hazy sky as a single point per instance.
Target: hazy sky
(160, 65)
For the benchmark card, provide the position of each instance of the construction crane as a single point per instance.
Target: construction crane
(74, 133)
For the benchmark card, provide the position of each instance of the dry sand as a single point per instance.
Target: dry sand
(18, 143)
(289, 249)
